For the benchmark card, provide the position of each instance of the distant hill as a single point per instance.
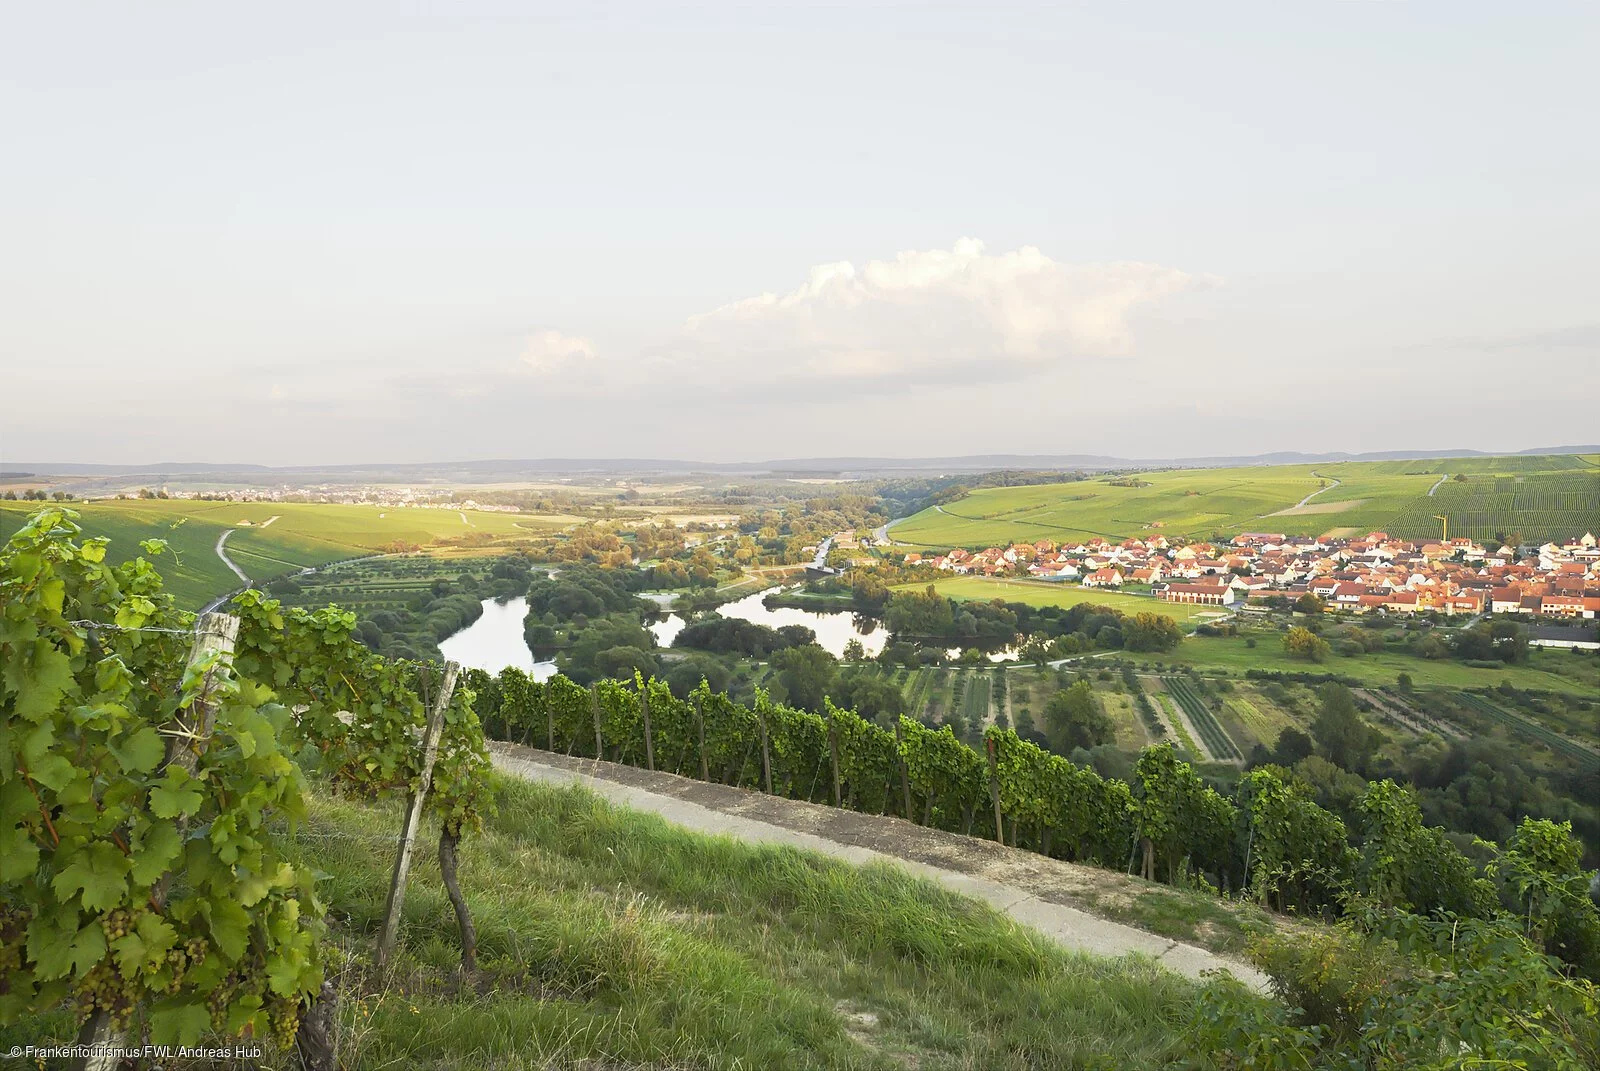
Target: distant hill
(495, 470)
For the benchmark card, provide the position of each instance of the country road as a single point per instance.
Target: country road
(1021, 884)
(238, 572)
(1436, 485)
(1302, 503)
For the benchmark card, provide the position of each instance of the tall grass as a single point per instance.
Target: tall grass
(612, 936)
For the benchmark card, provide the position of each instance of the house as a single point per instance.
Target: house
(1202, 593)
(1103, 578)
(1506, 600)
(1561, 606)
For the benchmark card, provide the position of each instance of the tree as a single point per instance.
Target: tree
(1342, 737)
(873, 697)
(1308, 604)
(927, 613)
(1150, 632)
(1293, 745)
(1404, 683)
(684, 676)
(1073, 718)
(1036, 649)
(1303, 643)
(854, 651)
(806, 673)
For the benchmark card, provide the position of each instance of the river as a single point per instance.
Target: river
(494, 641)
(834, 628)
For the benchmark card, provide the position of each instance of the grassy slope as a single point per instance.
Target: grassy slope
(613, 936)
(1545, 496)
(1046, 593)
(610, 938)
(1557, 671)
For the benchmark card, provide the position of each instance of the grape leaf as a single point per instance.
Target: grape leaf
(138, 752)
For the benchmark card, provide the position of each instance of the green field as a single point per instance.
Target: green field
(1046, 593)
(1537, 497)
(1546, 670)
(303, 534)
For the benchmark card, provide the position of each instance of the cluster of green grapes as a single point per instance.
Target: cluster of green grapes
(283, 1016)
(105, 988)
(180, 958)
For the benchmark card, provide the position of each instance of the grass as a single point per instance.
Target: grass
(303, 534)
(1260, 716)
(1046, 593)
(610, 938)
(1556, 671)
(1225, 926)
(1540, 497)
(1129, 730)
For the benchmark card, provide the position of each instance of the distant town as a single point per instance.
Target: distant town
(1372, 573)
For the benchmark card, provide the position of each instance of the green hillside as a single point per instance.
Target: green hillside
(1537, 498)
(269, 538)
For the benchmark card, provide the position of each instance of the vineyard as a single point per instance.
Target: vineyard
(1535, 507)
(144, 883)
(1205, 723)
(1529, 728)
(112, 903)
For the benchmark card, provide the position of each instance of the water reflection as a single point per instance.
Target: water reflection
(494, 641)
(834, 628)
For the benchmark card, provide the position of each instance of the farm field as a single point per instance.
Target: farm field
(1045, 593)
(1130, 731)
(271, 539)
(1546, 670)
(1194, 705)
(1260, 718)
(1529, 728)
(1536, 497)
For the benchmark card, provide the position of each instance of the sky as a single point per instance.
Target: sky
(338, 233)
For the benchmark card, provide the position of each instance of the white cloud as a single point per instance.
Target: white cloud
(550, 350)
(934, 316)
(938, 313)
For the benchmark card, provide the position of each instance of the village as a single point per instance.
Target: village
(1372, 573)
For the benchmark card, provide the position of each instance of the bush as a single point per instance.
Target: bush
(1391, 989)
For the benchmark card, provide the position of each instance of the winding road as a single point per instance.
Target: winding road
(238, 572)
(1021, 884)
(1301, 504)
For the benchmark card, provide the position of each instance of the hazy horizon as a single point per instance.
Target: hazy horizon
(324, 235)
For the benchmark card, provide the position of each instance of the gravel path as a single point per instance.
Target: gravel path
(1022, 884)
(238, 572)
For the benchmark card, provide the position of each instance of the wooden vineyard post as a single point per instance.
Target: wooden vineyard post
(766, 757)
(649, 741)
(833, 756)
(408, 832)
(594, 707)
(994, 792)
(700, 730)
(549, 725)
(900, 761)
(187, 736)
